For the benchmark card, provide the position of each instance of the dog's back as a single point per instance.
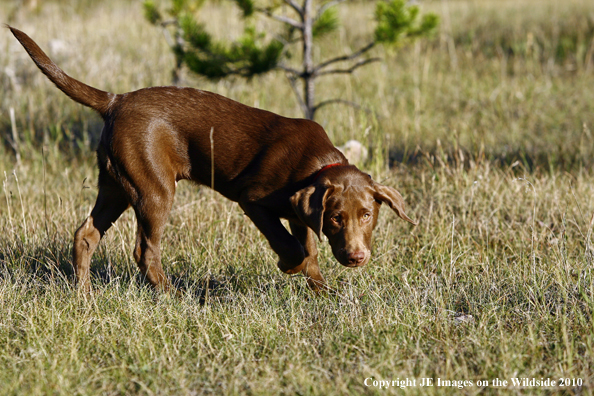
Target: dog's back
(253, 148)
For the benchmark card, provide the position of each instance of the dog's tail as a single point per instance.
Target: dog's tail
(78, 91)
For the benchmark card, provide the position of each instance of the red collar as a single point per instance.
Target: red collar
(324, 168)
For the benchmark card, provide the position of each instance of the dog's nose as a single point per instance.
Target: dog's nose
(356, 257)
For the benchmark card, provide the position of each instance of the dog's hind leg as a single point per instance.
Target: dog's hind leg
(111, 203)
(152, 213)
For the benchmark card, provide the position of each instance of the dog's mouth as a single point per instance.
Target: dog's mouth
(355, 265)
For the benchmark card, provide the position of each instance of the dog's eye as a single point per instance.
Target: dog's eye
(366, 216)
(336, 219)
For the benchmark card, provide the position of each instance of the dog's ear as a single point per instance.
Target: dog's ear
(394, 200)
(309, 203)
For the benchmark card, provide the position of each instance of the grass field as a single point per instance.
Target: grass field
(486, 129)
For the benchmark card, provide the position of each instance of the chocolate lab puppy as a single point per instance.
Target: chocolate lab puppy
(274, 167)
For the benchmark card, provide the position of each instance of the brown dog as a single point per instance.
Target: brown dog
(274, 167)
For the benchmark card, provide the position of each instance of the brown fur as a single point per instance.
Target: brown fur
(269, 164)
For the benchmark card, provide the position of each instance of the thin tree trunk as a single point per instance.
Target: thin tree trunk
(308, 65)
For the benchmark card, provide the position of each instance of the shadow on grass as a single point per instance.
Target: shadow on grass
(51, 264)
(231, 282)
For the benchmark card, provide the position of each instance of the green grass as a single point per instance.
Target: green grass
(488, 139)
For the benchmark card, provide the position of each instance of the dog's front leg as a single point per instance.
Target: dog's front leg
(310, 268)
(290, 251)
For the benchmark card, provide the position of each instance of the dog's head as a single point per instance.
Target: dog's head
(344, 203)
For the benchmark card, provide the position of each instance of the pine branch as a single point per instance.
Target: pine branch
(326, 22)
(168, 38)
(350, 69)
(247, 7)
(168, 22)
(326, 6)
(293, 72)
(280, 18)
(345, 102)
(354, 55)
(331, 101)
(295, 6)
(297, 94)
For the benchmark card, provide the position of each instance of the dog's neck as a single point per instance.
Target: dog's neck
(326, 167)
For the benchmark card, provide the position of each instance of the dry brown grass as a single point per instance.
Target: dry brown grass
(497, 154)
